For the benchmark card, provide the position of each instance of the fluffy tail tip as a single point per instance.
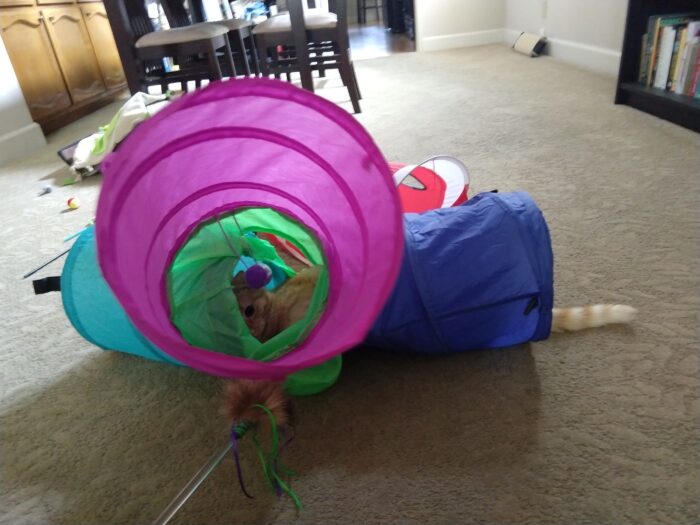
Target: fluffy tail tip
(242, 396)
(621, 313)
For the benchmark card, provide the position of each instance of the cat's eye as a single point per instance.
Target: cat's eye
(249, 310)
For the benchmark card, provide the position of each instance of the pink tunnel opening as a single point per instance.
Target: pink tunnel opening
(250, 143)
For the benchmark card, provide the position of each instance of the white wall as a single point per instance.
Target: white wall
(587, 33)
(18, 134)
(445, 24)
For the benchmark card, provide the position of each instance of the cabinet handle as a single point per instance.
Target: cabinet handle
(88, 14)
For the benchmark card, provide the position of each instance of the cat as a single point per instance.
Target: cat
(268, 313)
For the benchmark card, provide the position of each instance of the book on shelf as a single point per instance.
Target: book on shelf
(687, 55)
(664, 56)
(695, 88)
(669, 53)
(675, 59)
(643, 59)
(686, 80)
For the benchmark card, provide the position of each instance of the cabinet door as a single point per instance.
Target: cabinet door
(11, 3)
(103, 42)
(34, 62)
(73, 48)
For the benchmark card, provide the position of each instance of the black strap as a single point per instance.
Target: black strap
(47, 284)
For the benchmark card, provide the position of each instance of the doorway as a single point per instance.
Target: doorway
(380, 28)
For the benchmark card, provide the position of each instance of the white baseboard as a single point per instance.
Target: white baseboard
(598, 59)
(21, 142)
(474, 38)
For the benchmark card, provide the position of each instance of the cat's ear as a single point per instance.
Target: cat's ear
(239, 281)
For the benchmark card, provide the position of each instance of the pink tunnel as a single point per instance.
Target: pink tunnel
(250, 143)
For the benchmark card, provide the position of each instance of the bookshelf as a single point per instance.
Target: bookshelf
(679, 109)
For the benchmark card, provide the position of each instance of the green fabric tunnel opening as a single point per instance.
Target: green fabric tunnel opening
(204, 308)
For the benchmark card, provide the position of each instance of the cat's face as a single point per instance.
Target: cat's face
(253, 304)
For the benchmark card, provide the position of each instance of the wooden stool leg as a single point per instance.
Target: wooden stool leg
(229, 54)
(256, 59)
(319, 58)
(239, 44)
(214, 67)
(261, 46)
(346, 72)
(354, 80)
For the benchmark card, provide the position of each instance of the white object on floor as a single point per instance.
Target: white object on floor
(91, 150)
(530, 44)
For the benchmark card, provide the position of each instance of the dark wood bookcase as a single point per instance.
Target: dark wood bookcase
(680, 109)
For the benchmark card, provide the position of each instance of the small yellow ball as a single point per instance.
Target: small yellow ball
(73, 203)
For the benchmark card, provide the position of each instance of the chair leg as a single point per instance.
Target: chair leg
(346, 72)
(214, 67)
(256, 58)
(239, 44)
(354, 80)
(262, 61)
(304, 65)
(229, 55)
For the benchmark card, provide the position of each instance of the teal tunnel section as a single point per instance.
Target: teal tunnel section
(92, 308)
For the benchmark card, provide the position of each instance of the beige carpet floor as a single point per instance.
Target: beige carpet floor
(596, 427)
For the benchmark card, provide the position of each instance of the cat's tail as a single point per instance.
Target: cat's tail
(591, 316)
(243, 400)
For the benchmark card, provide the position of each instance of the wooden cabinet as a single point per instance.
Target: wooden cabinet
(73, 48)
(103, 42)
(64, 57)
(38, 72)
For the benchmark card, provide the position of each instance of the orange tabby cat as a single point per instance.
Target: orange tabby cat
(268, 313)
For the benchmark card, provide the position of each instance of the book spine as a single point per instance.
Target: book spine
(644, 58)
(654, 44)
(690, 68)
(683, 62)
(677, 44)
(664, 57)
(695, 88)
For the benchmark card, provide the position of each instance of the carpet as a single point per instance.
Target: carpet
(594, 427)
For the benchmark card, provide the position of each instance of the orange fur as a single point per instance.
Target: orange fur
(266, 313)
(240, 398)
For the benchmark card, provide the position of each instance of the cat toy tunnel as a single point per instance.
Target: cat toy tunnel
(240, 157)
(193, 195)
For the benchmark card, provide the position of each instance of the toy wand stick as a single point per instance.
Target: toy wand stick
(194, 483)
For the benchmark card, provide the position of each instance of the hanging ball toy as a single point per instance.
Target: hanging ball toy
(73, 203)
(258, 275)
